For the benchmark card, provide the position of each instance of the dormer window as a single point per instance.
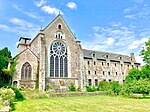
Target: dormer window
(120, 58)
(106, 56)
(93, 55)
(59, 27)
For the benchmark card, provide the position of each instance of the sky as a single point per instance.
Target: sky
(120, 26)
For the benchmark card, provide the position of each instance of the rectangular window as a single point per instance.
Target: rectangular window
(102, 63)
(94, 63)
(107, 64)
(89, 82)
(88, 72)
(109, 80)
(116, 73)
(108, 73)
(88, 62)
(115, 64)
(103, 73)
(95, 72)
(96, 82)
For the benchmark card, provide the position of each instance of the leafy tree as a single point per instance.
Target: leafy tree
(137, 86)
(115, 87)
(7, 67)
(145, 72)
(133, 74)
(145, 52)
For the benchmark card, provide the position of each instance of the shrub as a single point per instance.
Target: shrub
(104, 86)
(7, 95)
(141, 86)
(17, 92)
(72, 87)
(115, 87)
(48, 87)
(90, 88)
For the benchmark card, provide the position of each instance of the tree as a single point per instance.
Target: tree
(145, 72)
(145, 52)
(133, 74)
(7, 67)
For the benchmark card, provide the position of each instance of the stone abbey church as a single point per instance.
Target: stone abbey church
(56, 58)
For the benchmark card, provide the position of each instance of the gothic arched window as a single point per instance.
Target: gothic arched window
(26, 71)
(58, 60)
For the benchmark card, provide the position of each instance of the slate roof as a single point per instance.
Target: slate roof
(102, 55)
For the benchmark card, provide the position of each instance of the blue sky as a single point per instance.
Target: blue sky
(120, 26)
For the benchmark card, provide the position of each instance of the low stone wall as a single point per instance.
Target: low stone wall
(77, 94)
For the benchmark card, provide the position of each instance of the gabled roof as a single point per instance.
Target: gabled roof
(101, 55)
(59, 16)
(26, 50)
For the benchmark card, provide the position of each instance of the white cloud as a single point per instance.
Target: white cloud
(40, 3)
(130, 16)
(116, 35)
(138, 9)
(96, 28)
(51, 10)
(21, 22)
(135, 44)
(72, 5)
(21, 27)
(34, 16)
(110, 41)
(4, 27)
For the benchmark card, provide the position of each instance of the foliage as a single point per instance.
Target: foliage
(114, 87)
(90, 88)
(17, 92)
(48, 87)
(141, 86)
(145, 72)
(133, 74)
(72, 87)
(145, 52)
(138, 81)
(104, 86)
(7, 94)
(7, 67)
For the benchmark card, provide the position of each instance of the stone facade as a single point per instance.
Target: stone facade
(55, 56)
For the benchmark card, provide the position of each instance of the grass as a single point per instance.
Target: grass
(83, 104)
(1, 106)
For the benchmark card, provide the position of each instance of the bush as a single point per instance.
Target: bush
(90, 88)
(7, 95)
(110, 87)
(17, 92)
(115, 87)
(141, 86)
(104, 86)
(72, 87)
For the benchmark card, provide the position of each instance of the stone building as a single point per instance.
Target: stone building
(56, 58)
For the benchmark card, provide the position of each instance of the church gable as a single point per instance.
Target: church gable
(58, 29)
(24, 58)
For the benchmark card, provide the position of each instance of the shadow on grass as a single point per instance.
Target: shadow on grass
(13, 105)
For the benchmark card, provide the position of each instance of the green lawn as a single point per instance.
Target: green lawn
(84, 104)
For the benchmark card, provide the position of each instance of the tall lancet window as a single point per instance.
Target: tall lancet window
(26, 71)
(58, 60)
